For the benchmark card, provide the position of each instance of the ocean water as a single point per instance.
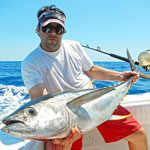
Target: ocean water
(13, 93)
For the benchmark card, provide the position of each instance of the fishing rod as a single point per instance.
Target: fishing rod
(110, 54)
(98, 49)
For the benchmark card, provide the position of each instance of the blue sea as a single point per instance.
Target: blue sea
(13, 93)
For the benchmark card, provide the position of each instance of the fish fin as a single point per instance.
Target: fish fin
(132, 65)
(119, 117)
(91, 82)
(77, 102)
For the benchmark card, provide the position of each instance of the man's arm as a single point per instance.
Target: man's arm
(37, 91)
(103, 74)
(100, 73)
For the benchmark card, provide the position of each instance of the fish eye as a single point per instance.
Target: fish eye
(31, 111)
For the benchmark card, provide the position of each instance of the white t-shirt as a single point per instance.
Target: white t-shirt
(60, 70)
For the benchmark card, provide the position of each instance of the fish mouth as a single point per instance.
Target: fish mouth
(10, 122)
(13, 126)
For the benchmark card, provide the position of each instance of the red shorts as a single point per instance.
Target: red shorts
(114, 130)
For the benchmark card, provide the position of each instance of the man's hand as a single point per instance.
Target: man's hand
(65, 143)
(125, 75)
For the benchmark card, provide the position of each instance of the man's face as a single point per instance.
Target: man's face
(50, 39)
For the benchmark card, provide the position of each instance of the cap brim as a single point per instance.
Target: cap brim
(52, 21)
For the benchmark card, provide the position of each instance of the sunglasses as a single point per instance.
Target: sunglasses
(49, 28)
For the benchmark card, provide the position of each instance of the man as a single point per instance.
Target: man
(58, 65)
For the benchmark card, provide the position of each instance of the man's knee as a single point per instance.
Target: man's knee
(141, 133)
(138, 140)
(138, 135)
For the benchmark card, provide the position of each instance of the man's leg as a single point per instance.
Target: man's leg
(137, 140)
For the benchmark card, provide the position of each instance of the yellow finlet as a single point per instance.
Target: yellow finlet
(91, 82)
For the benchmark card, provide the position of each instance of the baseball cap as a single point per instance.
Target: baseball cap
(51, 17)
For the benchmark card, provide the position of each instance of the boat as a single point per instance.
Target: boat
(138, 105)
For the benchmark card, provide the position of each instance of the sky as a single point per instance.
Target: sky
(112, 25)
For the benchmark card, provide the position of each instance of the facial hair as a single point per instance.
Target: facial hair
(52, 43)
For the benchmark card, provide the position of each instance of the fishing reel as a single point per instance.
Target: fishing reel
(144, 60)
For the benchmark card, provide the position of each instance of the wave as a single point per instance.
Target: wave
(11, 97)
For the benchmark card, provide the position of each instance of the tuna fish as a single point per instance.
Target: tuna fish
(53, 115)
